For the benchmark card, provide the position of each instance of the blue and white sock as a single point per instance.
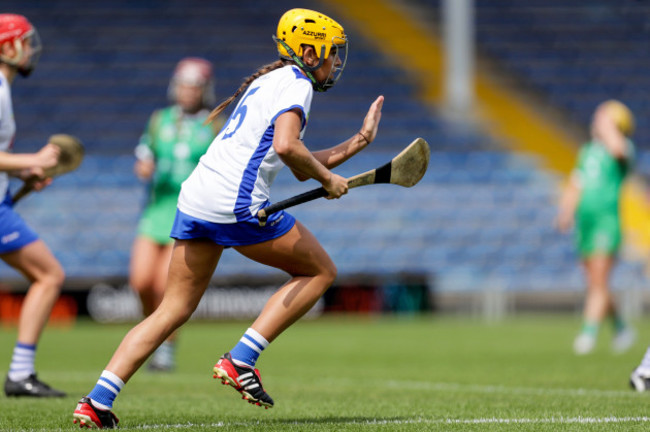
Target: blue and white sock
(22, 362)
(249, 348)
(106, 390)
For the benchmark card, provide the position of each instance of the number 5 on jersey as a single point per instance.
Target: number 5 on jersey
(238, 115)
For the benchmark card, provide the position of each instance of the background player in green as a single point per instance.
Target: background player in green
(169, 149)
(592, 197)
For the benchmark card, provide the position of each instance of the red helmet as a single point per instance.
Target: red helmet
(16, 29)
(194, 71)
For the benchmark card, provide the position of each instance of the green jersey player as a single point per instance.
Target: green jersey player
(175, 139)
(592, 197)
(600, 176)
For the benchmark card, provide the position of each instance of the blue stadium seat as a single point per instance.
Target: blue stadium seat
(478, 213)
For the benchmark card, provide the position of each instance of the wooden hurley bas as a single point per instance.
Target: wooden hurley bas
(406, 169)
(70, 157)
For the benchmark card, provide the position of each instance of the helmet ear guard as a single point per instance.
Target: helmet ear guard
(299, 61)
(301, 64)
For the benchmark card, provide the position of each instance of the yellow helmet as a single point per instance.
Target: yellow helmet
(623, 117)
(298, 27)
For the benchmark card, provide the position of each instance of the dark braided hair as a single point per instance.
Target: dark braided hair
(261, 71)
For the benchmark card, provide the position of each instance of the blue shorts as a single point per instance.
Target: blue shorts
(14, 232)
(235, 234)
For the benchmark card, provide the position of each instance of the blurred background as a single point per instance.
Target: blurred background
(502, 90)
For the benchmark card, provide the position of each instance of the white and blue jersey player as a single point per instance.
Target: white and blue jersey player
(218, 203)
(20, 246)
(14, 232)
(233, 179)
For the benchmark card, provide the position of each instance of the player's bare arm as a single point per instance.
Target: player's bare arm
(302, 162)
(568, 205)
(46, 157)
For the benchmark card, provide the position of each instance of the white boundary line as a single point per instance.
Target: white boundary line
(476, 388)
(437, 386)
(413, 421)
(374, 422)
(487, 421)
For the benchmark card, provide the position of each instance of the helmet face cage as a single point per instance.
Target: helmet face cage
(35, 48)
(340, 48)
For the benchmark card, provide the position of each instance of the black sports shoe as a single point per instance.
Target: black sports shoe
(639, 382)
(89, 416)
(30, 386)
(245, 380)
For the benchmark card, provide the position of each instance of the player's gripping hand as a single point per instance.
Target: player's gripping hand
(144, 169)
(336, 186)
(47, 157)
(36, 177)
(563, 222)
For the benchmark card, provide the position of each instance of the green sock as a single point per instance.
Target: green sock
(618, 324)
(590, 328)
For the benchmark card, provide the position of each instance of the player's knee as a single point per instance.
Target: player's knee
(139, 285)
(176, 312)
(54, 277)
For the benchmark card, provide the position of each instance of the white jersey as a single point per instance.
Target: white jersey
(7, 128)
(233, 179)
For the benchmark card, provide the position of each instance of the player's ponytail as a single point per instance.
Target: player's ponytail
(261, 71)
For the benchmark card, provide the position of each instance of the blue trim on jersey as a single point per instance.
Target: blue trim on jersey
(243, 233)
(303, 121)
(244, 198)
(14, 232)
(299, 74)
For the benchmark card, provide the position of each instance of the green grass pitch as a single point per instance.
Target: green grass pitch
(345, 373)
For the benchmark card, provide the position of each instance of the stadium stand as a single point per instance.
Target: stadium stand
(480, 214)
(575, 53)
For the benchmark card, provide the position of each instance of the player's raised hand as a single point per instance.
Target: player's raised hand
(371, 121)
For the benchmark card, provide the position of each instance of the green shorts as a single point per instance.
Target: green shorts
(157, 220)
(598, 234)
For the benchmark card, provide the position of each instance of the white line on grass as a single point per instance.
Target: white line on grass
(544, 391)
(373, 422)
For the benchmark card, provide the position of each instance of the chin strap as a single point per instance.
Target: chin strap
(306, 69)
